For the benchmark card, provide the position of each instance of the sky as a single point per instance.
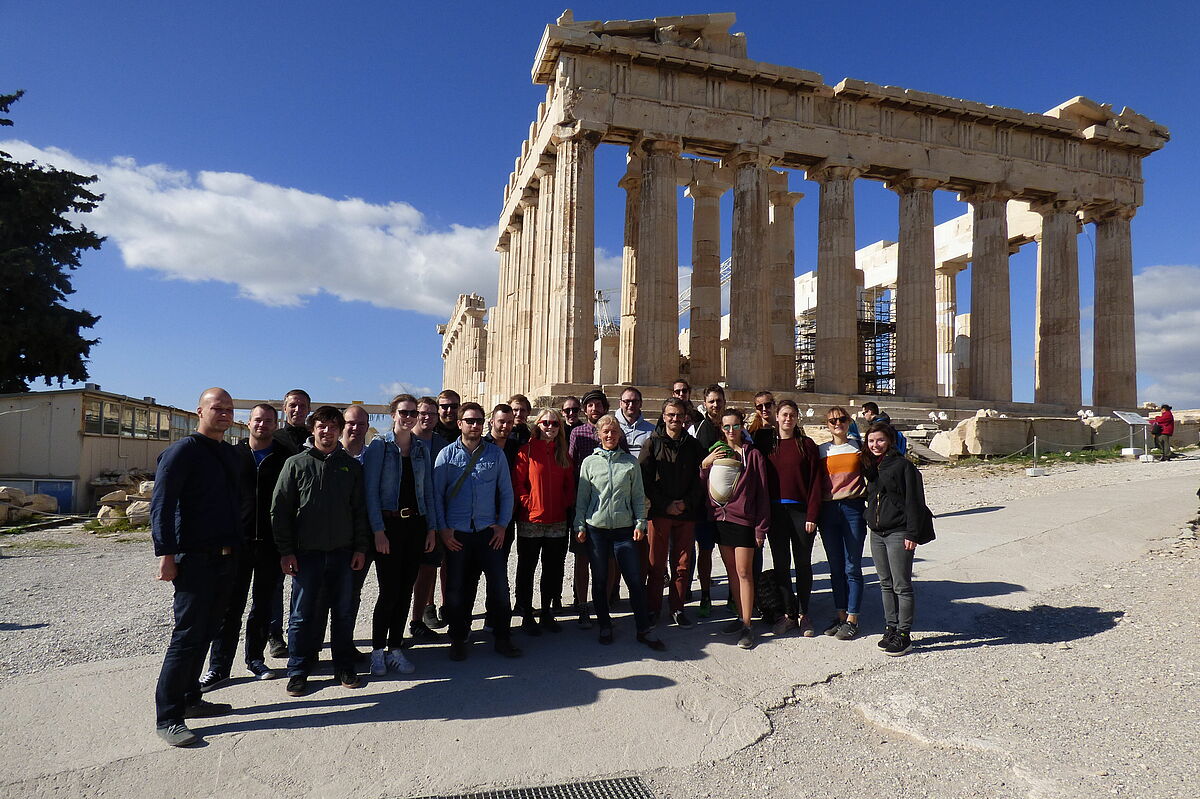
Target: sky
(296, 194)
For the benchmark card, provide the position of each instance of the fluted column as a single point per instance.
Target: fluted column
(573, 278)
(507, 344)
(704, 323)
(991, 323)
(916, 320)
(1114, 357)
(523, 335)
(837, 353)
(782, 284)
(946, 297)
(656, 352)
(1056, 358)
(747, 366)
(496, 316)
(539, 349)
(633, 310)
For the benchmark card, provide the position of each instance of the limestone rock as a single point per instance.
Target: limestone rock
(138, 512)
(948, 444)
(146, 489)
(13, 496)
(15, 514)
(115, 498)
(109, 515)
(991, 435)
(1109, 432)
(42, 503)
(1058, 434)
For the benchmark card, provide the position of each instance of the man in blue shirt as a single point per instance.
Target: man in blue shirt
(473, 488)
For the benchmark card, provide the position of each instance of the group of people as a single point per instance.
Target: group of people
(448, 489)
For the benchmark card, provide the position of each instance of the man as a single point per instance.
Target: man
(471, 483)
(262, 457)
(319, 517)
(571, 417)
(354, 434)
(682, 390)
(633, 424)
(670, 462)
(872, 415)
(296, 405)
(708, 430)
(707, 433)
(195, 519)
(424, 613)
(520, 408)
(448, 404)
(501, 432)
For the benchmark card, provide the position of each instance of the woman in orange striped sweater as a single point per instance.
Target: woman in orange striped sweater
(843, 531)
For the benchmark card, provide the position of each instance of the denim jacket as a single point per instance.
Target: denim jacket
(486, 496)
(382, 464)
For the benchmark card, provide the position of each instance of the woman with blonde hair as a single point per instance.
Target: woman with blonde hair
(840, 521)
(544, 485)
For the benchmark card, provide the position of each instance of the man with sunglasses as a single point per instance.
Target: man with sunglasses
(448, 406)
(682, 390)
(571, 414)
(634, 426)
(473, 490)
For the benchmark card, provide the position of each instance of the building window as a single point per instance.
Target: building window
(127, 422)
(141, 423)
(164, 426)
(91, 417)
(112, 419)
(179, 426)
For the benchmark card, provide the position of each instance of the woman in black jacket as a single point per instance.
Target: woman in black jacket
(898, 519)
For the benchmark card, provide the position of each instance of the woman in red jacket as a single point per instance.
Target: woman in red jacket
(1166, 428)
(544, 485)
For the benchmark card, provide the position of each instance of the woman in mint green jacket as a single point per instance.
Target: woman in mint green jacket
(610, 515)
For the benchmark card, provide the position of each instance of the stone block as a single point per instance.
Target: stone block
(1186, 434)
(1056, 434)
(1109, 432)
(993, 435)
(146, 488)
(42, 503)
(13, 496)
(110, 515)
(115, 498)
(948, 444)
(15, 514)
(138, 512)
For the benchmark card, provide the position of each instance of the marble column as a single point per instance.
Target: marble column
(946, 296)
(573, 279)
(1056, 357)
(539, 350)
(656, 350)
(782, 282)
(704, 323)
(496, 316)
(522, 341)
(1114, 357)
(633, 311)
(916, 320)
(749, 358)
(508, 371)
(837, 353)
(991, 322)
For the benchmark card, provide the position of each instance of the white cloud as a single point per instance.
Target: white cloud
(279, 245)
(389, 390)
(1167, 299)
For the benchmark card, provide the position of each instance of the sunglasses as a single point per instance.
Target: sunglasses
(426, 413)
(474, 420)
(766, 406)
(406, 414)
(570, 410)
(548, 423)
(731, 427)
(451, 407)
(838, 420)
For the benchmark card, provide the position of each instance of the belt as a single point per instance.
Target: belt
(403, 513)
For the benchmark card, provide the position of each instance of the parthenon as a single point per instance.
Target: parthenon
(693, 111)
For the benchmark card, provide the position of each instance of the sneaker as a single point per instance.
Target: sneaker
(379, 664)
(349, 679)
(888, 632)
(585, 621)
(201, 709)
(529, 626)
(177, 734)
(505, 647)
(833, 627)
(420, 631)
(746, 639)
(297, 685)
(653, 621)
(900, 644)
(653, 643)
(733, 627)
(806, 628)
(784, 625)
(846, 631)
(397, 662)
(680, 618)
(277, 647)
(730, 605)
(705, 609)
(606, 636)
(261, 670)
(458, 650)
(210, 680)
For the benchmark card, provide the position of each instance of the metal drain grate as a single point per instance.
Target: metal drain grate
(622, 788)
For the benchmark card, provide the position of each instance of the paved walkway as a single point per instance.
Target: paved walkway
(570, 709)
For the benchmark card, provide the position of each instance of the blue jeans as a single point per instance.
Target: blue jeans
(321, 575)
(463, 570)
(843, 534)
(202, 586)
(618, 544)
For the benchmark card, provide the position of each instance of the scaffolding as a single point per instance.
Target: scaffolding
(806, 350)
(876, 344)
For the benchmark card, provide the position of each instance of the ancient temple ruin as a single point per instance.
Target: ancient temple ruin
(680, 94)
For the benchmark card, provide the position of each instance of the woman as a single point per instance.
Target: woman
(545, 488)
(897, 516)
(794, 481)
(398, 474)
(610, 515)
(841, 522)
(740, 511)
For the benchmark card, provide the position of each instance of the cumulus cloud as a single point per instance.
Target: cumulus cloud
(1167, 299)
(389, 390)
(278, 245)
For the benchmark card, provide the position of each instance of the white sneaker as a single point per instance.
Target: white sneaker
(379, 664)
(397, 662)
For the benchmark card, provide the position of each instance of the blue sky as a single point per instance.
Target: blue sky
(298, 192)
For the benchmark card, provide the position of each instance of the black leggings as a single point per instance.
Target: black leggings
(789, 540)
(397, 573)
(553, 553)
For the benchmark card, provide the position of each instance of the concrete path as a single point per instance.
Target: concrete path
(570, 709)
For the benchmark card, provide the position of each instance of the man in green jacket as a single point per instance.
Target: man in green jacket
(319, 518)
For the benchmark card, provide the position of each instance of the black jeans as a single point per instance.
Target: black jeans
(463, 570)
(397, 573)
(894, 565)
(257, 564)
(553, 554)
(789, 541)
(202, 587)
